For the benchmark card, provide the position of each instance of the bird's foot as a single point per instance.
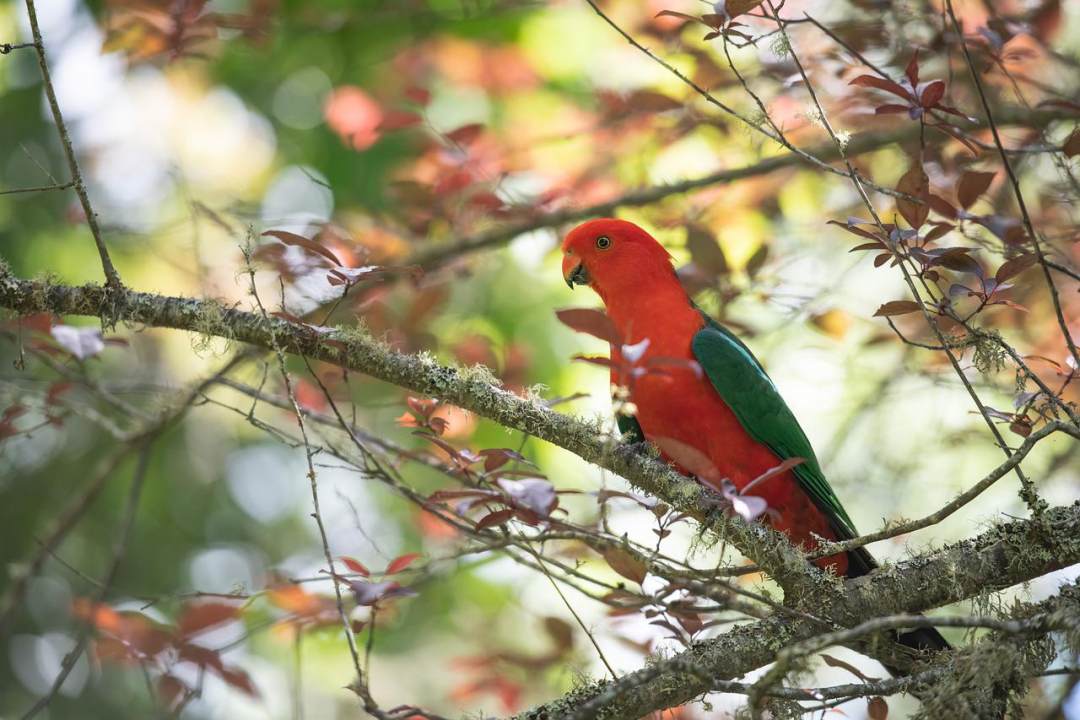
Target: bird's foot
(639, 447)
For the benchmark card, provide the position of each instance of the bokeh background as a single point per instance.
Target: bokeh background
(397, 127)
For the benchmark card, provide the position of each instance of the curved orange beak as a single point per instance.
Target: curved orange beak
(573, 271)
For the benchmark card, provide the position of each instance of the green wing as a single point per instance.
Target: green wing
(746, 388)
(630, 428)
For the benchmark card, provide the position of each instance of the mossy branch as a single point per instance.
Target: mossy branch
(1005, 555)
(1001, 557)
(473, 389)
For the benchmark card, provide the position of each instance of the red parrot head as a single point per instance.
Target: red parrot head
(614, 256)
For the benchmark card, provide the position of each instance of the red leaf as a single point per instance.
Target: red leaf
(466, 134)
(238, 679)
(914, 182)
(196, 617)
(878, 245)
(705, 250)
(1071, 148)
(942, 207)
(560, 631)
(453, 182)
(296, 601)
(201, 656)
(912, 69)
(54, 392)
(773, 472)
(838, 663)
(592, 322)
(877, 708)
(652, 101)
(971, 185)
(1011, 268)
(302, 242)
(734, 8)
(940, 230)
(399, 120)
(355, 565)
(932, 94)
(495, 458)
(400, 563)
(1020, 427)
(689, 458)
(625, 564)
(959, 262)
(496, 518)
(883, 84)
(7, 421)
(681, 16)
(446, 447)
(854, 229)
(890, 109)
(897, 307)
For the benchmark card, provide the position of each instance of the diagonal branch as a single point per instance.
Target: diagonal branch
(1001, 557)
(1015, 184)
(997, 559)
(473, 389)
(112, 278)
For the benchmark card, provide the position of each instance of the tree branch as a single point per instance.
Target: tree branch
(433, 256)
(1003, 556)
(473, 389)
(999, 558)
(112, 278)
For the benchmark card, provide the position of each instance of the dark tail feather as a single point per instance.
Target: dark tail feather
(860, 562)
(923, 640)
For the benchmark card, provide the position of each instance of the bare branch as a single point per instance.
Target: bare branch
(1015, 183)
(112, 278)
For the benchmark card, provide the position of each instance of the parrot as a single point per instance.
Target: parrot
(712, 395)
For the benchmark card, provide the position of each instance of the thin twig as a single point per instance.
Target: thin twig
(830, 548)
(312, 477)
(1015, 183)
(42, 188)
(112, 278)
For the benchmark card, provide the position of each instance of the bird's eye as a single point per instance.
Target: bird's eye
(603, 242)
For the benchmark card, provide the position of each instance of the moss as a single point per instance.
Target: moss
(1003, 555)
(479, 375)
(43, 283)
(989, 356)
(780, 45)
(209, 325)
(982, 681)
